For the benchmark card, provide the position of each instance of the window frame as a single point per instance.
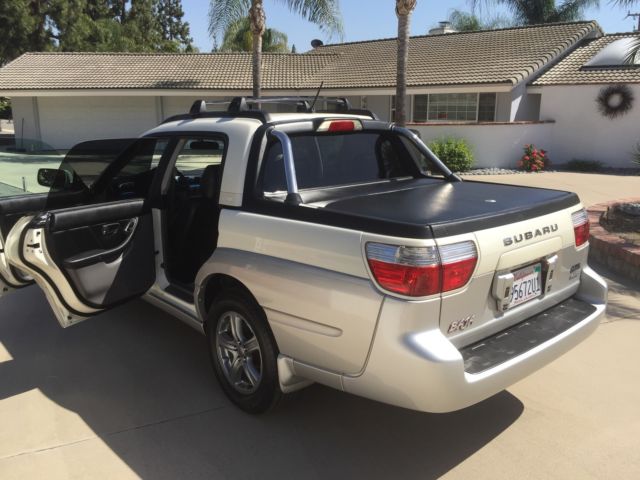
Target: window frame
(436, 121)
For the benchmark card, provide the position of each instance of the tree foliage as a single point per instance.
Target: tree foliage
(224, 13)
(92, 26)
(239, 38)
(471, 22)
(532, 12)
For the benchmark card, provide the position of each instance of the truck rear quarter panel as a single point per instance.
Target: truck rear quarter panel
(311, 281)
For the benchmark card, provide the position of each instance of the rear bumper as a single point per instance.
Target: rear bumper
(424, 371)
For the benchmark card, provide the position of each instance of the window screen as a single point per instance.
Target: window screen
(453, 107)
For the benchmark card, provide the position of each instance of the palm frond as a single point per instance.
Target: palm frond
(571, 10)
(324, 13)
(223, 13)
(633, 54)
(624, 3)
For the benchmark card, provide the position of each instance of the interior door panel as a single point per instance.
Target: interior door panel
(13, 209)
(89, 258)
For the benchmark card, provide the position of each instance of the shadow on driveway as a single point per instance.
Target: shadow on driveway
(142, 382)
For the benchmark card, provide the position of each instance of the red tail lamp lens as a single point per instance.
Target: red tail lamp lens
(580, 221)
(422, 271)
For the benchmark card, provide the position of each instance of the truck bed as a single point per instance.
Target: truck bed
(447, 208)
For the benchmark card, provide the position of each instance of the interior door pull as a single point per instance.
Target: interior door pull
(110, 229)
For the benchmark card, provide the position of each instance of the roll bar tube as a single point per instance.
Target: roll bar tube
(293, 197)
(426, 151)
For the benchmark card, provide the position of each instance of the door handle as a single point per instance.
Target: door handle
(110, 229)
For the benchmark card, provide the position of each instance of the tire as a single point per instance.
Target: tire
(243, 352)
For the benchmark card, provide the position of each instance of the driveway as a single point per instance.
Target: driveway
(130, 394)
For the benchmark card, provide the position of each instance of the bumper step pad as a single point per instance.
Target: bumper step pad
(524, 336)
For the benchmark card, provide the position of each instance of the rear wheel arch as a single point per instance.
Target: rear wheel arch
(214, 284)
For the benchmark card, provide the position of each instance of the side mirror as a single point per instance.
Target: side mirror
(54, 178)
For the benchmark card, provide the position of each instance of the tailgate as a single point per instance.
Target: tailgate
(523, 268)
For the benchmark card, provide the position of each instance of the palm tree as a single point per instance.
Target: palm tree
(531, 12)
(239, 38)
(633, 56)
(404, 8)
(462, 21)
(222, 13)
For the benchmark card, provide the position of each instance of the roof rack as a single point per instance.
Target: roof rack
(251, 106)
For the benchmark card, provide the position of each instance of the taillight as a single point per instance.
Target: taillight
(421, 271)
(333, 126)
(458, 263)
(580, 221)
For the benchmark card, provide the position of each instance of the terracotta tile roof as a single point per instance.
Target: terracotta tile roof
(506, 56)
(570, 70)
(212, 71)
(491, 56)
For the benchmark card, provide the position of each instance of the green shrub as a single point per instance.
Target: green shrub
(578, 165)
(455, 153)
(5, 108)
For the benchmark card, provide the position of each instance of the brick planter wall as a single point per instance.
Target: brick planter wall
(610, 249)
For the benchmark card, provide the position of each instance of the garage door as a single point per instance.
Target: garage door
(67, 121)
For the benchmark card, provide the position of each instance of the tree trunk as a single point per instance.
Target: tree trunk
(258, 20)
(403, 11)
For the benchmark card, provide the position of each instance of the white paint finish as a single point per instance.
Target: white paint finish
(497, 145)
(65, 122)
(25, 120)
(581, 132)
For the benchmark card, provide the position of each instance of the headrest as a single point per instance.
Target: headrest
(210, 181)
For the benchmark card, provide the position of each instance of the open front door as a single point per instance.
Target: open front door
(87, 259)
(11, 210)
(14, 208)
(99, 253)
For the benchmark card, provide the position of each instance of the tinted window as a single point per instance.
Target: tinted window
(112, 169)
(328, 160)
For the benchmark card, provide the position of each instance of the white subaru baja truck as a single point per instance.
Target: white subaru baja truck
(311, 246)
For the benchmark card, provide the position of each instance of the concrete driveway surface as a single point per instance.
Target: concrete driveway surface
(130, 394)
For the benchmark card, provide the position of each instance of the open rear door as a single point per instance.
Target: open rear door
(86, 259)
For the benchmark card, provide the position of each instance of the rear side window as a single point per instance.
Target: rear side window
(338, 159)
(197, 154)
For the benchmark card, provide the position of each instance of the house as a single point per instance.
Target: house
(489, 87)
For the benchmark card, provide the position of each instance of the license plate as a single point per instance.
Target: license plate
(527, 285)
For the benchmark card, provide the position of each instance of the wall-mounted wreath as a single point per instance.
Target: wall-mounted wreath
(615, 100)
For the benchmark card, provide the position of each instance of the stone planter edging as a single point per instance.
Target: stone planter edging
(610, 249)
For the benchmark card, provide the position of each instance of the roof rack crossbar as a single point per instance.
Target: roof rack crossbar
(244, 106)
(304, 104)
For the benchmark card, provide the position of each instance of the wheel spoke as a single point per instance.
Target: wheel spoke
(252, 373)
(251, 345)
(226, 342)
(236, 327)
(235, 371)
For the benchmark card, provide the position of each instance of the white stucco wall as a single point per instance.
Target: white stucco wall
(65, 121)
(25, 120)
(381, 105)
(581, 132)
(498, 145)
